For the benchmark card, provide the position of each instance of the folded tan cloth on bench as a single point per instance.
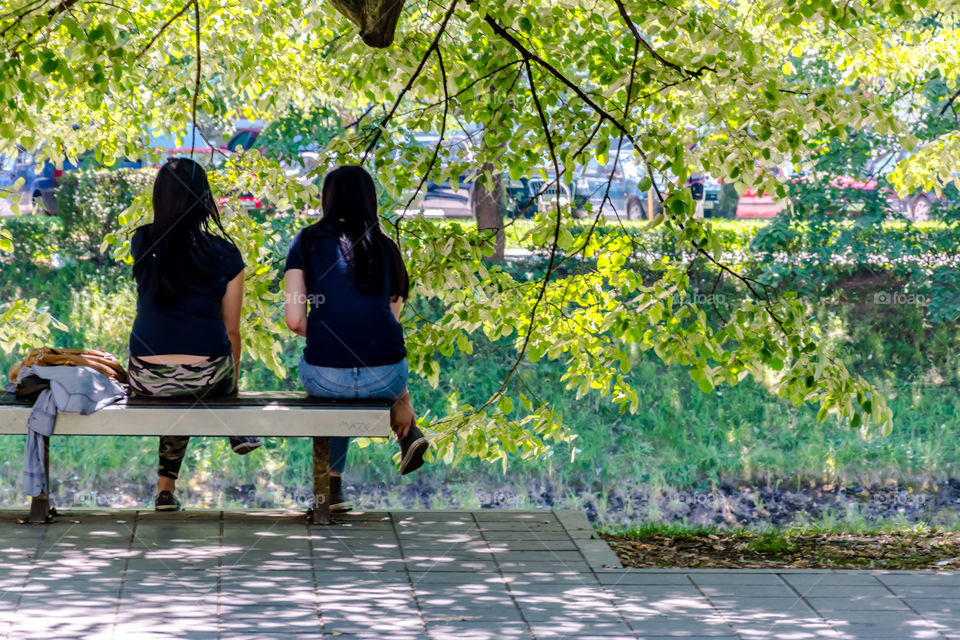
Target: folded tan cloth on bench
(100, 361)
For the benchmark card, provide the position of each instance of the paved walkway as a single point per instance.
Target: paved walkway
(483, 575)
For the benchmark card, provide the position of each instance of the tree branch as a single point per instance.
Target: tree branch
(163, 28)
(407, 87)
(689, 73)
(196, 88)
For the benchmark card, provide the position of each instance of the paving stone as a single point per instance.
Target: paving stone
(754, 605)
(350, 625)
(248, 634)
(539, 556)
(927, 591)
(456, 565)
(747, 590)
(918, 578)
(500, 515)
(514, 566)
(783, 631)
(901, 631)
(935, 605)
(476, 630)
(666, 625)
(833, 579)
(765, 578)
(540, 536)
(641, 577)
(857, 603)
(530, 545)
(492, 614)
(581, 630)
(426, 578)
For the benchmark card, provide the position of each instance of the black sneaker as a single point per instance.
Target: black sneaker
(243, 445)
(338, 504)
(166, 501)
(412, 448)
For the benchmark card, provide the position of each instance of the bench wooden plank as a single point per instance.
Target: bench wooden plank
(245, 416)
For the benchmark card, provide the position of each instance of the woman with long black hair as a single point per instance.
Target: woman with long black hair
(345, 285)
(186, 337)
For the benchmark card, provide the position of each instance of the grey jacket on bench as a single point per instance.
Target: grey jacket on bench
(73, 390)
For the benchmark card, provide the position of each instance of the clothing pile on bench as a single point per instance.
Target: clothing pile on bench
(57, 380)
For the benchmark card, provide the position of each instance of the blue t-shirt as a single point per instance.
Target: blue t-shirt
(345, 327)
(193, 325)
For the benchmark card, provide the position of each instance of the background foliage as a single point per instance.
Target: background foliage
(733, 89)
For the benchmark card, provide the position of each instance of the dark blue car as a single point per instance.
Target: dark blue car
(38, 194)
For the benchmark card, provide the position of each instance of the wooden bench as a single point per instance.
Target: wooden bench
(273, 414)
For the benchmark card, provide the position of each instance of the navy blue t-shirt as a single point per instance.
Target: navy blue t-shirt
(193, 325)
(345, 327)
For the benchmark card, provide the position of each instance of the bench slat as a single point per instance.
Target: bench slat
(248, 415)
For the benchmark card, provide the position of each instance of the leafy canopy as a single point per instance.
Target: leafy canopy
(731, 88)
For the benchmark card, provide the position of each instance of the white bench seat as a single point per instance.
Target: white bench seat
(271, 414)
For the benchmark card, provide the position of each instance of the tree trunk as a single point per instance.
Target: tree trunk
(488, 209)
(377, 19)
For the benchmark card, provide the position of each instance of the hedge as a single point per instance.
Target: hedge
(90, 203)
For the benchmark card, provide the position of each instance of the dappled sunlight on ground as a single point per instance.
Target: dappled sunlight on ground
(481, 575)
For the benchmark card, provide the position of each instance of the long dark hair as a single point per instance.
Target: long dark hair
(177, 249)
(350, 213)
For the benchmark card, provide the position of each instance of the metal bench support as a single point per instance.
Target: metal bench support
(320, 512)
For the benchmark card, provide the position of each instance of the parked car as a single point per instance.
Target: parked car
(38, 193)
(626, 198)
(244, 138)
(915, 206)
(439, 199)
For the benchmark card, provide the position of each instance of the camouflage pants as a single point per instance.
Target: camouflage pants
(209, 379)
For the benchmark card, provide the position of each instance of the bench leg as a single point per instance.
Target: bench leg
(320, 513)
(40, 505)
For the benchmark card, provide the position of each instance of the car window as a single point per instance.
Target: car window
(241, 139)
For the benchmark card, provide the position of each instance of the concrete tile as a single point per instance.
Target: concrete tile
(754, 605)
(735, 577)
(582, 630)
(902, 631)
(927, 591)
(852, 602)
(936, 605)
(918, 578)
(747, 591)
(641, 577)
(515, 566)
(427, 578)
(476, 630)
(804, 581)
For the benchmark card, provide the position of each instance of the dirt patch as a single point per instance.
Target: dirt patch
(894, 550)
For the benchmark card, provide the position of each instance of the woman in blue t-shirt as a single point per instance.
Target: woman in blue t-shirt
(351, 277)
(185, 339)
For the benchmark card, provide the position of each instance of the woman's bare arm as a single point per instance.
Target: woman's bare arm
(396, 305)
(230, 311)
(295, 301)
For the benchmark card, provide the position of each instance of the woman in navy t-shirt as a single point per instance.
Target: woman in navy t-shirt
(186, 337)
(345, 286)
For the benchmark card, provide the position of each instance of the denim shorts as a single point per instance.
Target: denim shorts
(386, 382)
